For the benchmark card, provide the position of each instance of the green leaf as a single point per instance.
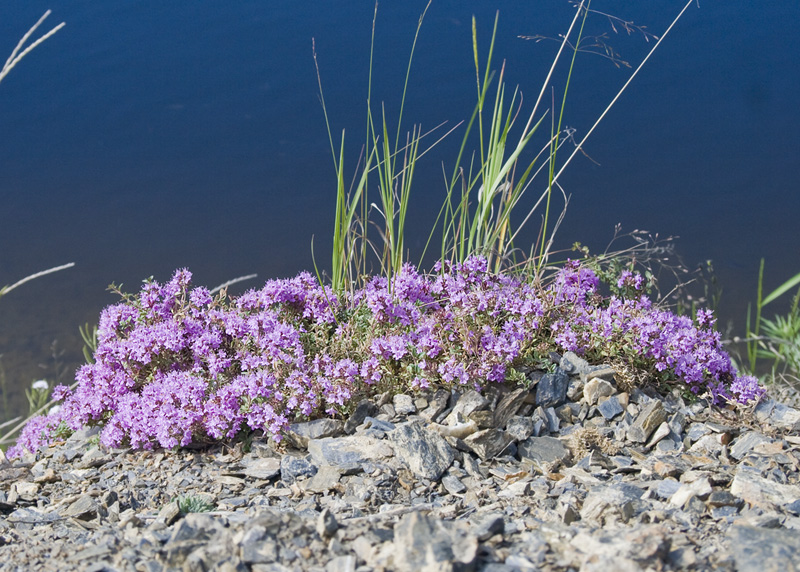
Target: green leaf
(782, 289)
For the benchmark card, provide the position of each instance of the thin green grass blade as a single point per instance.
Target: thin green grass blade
(782, 289)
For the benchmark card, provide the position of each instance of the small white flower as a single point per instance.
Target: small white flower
(40, 385)
(54, 409)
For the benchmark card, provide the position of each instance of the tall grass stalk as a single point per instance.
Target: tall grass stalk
(394, 185)
(579, 147)
(17, 55)
(343, 250)
(6, 289)
(484, 189)
(382, 154)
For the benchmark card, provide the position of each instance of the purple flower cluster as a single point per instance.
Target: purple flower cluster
(674, 347)
(175, 365)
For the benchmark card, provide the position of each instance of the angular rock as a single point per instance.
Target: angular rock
(611, 503)
(509, 405)
(262, 468)
(84, 508)
(437, 403)
(488, 526)
(341, 564)
(777, 414)
(707, 445)
(660, 433)
(327, 524)
(425, 543)
(324, 480)
(489, 443)
(404, 404)
(597, 388)
(551, 391)
(723, 498)
(453, 485)
(32, 516)
(169, 513)
(746, 442)
(544, 451)
(520, 428)
(468, 403)
(610, 407)
(758, 491)
(763, 550)
(293, 468)
(646, 422)
(425, 452)
(364, 409)
(299, 434)
(353, 449)
(700, 488)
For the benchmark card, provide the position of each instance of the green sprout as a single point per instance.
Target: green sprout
(192, 503)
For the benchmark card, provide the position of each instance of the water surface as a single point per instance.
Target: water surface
(147, 136)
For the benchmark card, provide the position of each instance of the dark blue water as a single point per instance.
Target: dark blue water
(147, 136)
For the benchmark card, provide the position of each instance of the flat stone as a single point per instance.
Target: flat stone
(32, 516)
(697, 430)
(746, 442)
(764, 550)
(345, 563)
(404, 404)
(707, 445)
(324, 480)
(95, 457)
(425, 452)
(667, 488)
(647, 421)
(364, 409)
(777, 414)
(547, 451)
(468, 403)
(293, 468)
(596, 388)
(352, 449)
(700, 488)
(84, 508)
(453, 485)
(723, 498)
(262, 468)
(425, 543)
(489, 443)
(509, 405)
(299, 434)
(762, 492)
(25, 488)
(610, 407)
(551, 391)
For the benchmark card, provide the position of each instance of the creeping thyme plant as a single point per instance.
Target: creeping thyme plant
(175, 365)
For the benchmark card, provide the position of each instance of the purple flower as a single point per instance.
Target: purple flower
(175, 364)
